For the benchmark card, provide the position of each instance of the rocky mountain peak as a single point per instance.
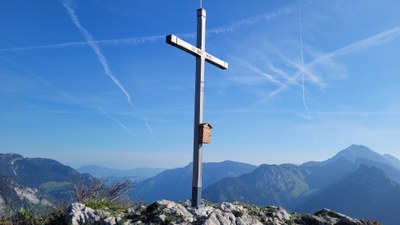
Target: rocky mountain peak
(168, 212)
(355, 152)
(10, 158)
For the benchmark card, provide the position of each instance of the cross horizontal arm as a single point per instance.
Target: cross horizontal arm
(183, 45)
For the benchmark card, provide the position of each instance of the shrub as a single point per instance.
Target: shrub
(57, 216)
(99, 191)
(25, 217)
(96, 195)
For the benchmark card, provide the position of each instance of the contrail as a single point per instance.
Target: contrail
(108, 42)
(123, 126)
(303, 68)
(103, 60)
(278, 71)
(372, 41)
(250, 21)
(369, 42)
(60, 45)
(302, 63)
(117, 121)
(267, 76)
(96, 49)
(149, 129)
(145, 39)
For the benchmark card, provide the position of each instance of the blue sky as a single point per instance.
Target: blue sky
(93, 81)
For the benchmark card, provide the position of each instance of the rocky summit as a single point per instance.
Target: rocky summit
(168, 212)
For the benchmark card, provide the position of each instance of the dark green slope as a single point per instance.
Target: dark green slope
(48, 176)
(366, 193)
(9, 198)
(277, 185)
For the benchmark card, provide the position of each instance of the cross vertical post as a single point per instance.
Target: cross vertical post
(198, 110)
(201, 57)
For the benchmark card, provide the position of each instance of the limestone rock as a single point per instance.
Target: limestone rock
(80, 214)
(342, 219)
(219, 217)
(167, 212)
(173, 208)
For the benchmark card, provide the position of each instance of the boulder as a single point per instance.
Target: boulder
(80, 214)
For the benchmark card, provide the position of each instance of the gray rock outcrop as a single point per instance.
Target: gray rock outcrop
(168, 212)
(80, 214)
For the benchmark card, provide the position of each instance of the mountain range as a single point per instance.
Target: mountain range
(175, 184)
(356, 181)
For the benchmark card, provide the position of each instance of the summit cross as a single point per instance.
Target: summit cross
(199, 51)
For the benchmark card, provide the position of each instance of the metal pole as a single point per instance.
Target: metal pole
(198, 110)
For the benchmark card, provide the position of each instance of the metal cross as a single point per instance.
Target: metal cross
(201, 56)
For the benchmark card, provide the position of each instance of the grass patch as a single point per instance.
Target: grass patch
(114, 207)
(54, 185)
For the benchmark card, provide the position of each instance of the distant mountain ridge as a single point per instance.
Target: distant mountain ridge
(355, 152)
(175, 184)
(136, 175)
(393, 160)
(357, 181)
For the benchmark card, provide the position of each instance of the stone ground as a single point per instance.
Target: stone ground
(168, 212)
